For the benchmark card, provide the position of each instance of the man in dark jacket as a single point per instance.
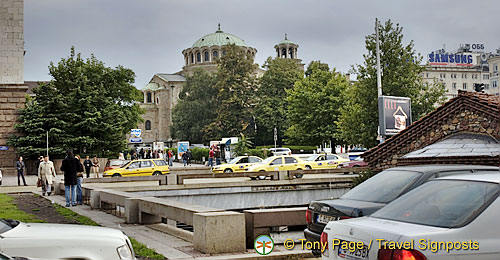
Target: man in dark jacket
(20, 171)
(69, 167)
(87, 165)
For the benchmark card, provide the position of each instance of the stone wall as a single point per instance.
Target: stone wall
(463, 121)
(11, 42)
(12, 98)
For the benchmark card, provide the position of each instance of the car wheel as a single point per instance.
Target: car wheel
(116, 175)
(228, 171)
(308, 167)
(262, 177)
(253, 178)
(156, 173)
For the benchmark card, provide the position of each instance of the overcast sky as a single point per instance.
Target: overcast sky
(148, 36)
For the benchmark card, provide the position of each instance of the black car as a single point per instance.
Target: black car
(376, 192)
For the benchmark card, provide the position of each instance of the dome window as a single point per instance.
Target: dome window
(283, 53)
(206, 57)
(192, 58)
(149, 97)
(198, 57)
(215, 54)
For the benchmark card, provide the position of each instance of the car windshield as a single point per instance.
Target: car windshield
(312, 158)
(7, 224)
(383, 187)
(269, 159)
(235, 160)
(442, 203)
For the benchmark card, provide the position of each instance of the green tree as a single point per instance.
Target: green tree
(86, 106)
(401, 70)
(313, 106)
(236, 84)
(271, 109)
(243, 146)
(196, 108)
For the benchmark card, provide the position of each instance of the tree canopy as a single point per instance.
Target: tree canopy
(401, 70)
(86, 106)
(313, 106)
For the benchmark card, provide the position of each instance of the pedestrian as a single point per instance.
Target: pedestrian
(217, 156)
(20, 171)
(87, 164)
(46, 171)
(69, 167)
(121, 157)
(190, 156)
(185, 158)
(148, 154)
(79, 180)
(141, 153)
(211, 155)
(170, 158)
(37, 163)
(95, 166)
(133, 156)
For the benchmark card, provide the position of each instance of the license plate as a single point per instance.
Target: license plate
(357, 254)
(324, 219)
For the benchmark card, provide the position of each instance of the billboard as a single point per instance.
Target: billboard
(394, 114)
(182, 147)
(135, 136)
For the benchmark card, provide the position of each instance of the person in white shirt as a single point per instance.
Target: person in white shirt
(46, 171)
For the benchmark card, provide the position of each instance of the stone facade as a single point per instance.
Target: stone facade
(469, 112)
(11, 41)
(12, 87)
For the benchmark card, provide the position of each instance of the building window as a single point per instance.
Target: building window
(495, 67)
(486, 76)
(454, 85)
(464, 76)
(215, 54)
(283, 53)
(494, 84)
(157, 100)
(198, 57)
(486, 86)
(192, 58)
(465, 86)
(290, 53)
(206, 58)
(148, 125)
(149, 98)
(427, 75)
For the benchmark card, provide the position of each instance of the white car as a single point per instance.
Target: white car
(280, 151)
(448, 218)
(62, 241)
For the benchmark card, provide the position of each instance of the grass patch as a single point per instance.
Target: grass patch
(9, 210)
(144, 251)
(71, 215)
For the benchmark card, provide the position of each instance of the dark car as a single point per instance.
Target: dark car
(376, 192)
(358, 162)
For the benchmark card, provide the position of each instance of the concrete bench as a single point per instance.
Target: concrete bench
(259, 221)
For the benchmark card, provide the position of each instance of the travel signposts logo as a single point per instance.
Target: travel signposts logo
(263, 245)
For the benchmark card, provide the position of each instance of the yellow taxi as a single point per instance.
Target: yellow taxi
(279, 163)
(238, 164)
(323, 161)
(142, 167)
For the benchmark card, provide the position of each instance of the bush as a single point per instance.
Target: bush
(256, 152)
(199, 153)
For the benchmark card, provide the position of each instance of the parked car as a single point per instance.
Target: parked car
(356, 152)
(459, 208)
(358, 162)
(114, 164)
(323, 161)
(278, 163)
(238, 164)
(142, 167)
(280, 151)
(63, 241)
(376, 192)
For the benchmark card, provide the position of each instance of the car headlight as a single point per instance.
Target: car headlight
(124, 252)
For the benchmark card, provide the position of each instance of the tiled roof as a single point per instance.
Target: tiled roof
(486, 104)
(171, 77)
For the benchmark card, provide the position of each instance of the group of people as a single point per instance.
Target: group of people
(187, 156)
(149, 154)
(214, 155)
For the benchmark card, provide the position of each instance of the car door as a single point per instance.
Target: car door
(133, 168)
(147, 168)
(291, 163)
(241, 164)
(275, 165)
(320, 162)
(161, 165)
(332, 161)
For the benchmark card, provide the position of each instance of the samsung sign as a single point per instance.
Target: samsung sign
(450, 59)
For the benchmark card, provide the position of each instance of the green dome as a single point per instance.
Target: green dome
(219, 38)
(286, 41)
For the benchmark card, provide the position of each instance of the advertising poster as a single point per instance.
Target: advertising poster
(182, 147)
(394, 114)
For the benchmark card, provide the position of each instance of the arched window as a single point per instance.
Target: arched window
(157, 100)
(223, 53)
(283, 53)
(206, 58)
(148, 125)
(149, 98)
(192, 58)
(198, 57)
(290, 53)
(215, 54)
